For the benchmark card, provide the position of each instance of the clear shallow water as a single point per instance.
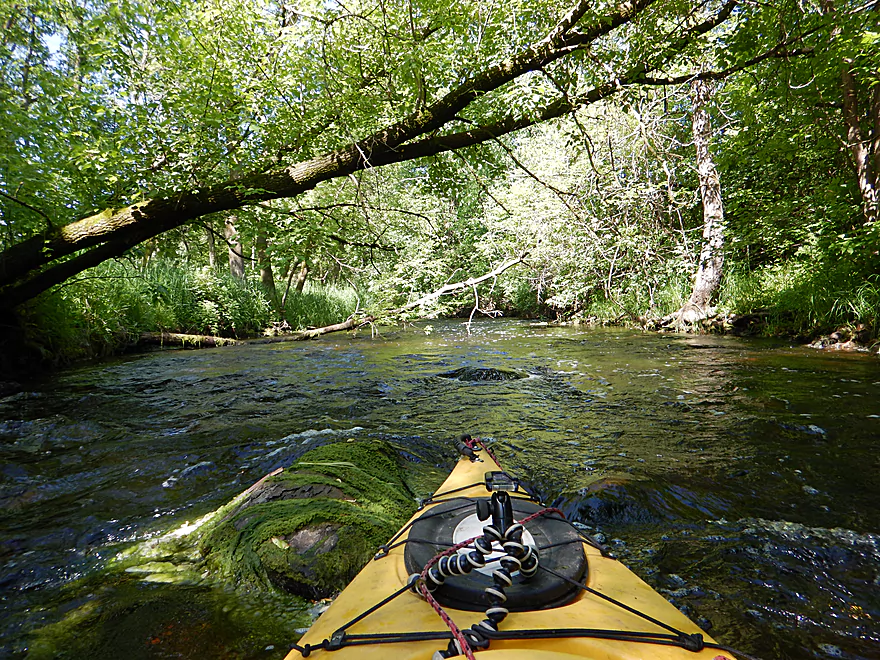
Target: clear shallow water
(739, 477)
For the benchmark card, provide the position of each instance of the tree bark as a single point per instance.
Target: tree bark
(709, 268)
(267, 277)
(861, 145)
(236, 258)
(875, 127)
(864, 149)
(302, 276)
(212, 246)
(36, 264)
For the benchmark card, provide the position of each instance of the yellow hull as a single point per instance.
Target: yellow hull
(411, 613)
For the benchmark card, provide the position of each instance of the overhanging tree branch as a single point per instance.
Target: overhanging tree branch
(128, 226)
(38, 263)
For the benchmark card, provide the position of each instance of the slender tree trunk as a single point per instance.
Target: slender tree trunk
(302, 276)
(875, 127)
(267, 277)
(236, 258)
(711, 262)
(864, 149)
(212, 246)
(149, 251)
(860, 145)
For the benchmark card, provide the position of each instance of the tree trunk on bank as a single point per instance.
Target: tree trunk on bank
(864, 149)
(37, 263)
(864, 145)
(302, 276)
(709, 268)
(212, 246)
(236, 258)
(267, 277)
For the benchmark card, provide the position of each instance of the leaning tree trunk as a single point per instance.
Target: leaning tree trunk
(38, 263)
(236, 258)
(709, 268)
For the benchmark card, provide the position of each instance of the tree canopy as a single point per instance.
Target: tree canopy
(124, 121)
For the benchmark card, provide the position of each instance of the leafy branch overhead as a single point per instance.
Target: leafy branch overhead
(596, 52)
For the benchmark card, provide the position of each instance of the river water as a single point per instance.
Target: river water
(741, 478)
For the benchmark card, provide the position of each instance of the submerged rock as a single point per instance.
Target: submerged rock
(305, 530)
(478, 374)
(311, 528)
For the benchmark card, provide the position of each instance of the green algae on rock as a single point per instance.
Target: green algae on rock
(309, 529)
(300, 532)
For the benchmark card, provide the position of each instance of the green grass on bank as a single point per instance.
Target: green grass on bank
(793, 299)
(804, 300)
(106, 310)
(321, 304)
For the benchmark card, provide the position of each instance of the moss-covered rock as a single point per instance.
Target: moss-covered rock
(306, 531)
(311, 528)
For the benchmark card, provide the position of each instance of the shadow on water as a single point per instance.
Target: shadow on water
(740, 478)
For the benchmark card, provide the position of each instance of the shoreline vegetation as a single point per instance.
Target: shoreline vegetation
(172, 307)
(577, 166)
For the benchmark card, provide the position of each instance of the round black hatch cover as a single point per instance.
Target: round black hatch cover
(558, 545)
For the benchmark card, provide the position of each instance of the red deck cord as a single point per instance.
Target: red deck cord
(473, 443)
(454, 629)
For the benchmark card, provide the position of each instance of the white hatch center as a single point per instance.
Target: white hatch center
(473, 526)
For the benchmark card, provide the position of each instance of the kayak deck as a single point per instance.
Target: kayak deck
(411, 613)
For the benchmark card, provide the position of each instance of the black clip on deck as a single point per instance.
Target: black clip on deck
(498, 480)
(465, 450)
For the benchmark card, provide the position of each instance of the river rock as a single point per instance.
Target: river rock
(478, 374)
(311, 528)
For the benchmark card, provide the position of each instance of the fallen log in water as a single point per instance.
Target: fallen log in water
(355, 321)
(184, 340)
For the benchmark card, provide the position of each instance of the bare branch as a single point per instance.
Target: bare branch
(460, 286)
(29, 207)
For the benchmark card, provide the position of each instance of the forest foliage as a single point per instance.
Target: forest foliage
(316, 130)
